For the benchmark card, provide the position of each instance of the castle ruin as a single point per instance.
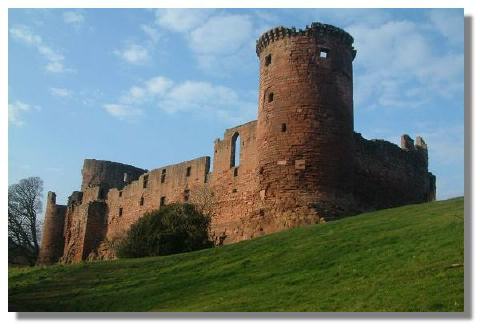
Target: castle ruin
(299, 163)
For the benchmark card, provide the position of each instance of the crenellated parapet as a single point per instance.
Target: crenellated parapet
(316, 29)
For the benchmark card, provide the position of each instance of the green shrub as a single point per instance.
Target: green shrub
(175, 228)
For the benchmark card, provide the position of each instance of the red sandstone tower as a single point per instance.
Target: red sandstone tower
(305, 122)
(51, 248)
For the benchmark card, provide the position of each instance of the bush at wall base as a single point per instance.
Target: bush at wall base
(174, 228)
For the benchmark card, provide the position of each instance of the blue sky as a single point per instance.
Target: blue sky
(155, 87)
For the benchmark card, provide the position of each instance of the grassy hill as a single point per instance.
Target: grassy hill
(402, 259)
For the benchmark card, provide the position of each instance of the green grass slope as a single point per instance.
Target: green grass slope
(402, 259)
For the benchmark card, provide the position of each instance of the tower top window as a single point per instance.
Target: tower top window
(324, 53)
(268, 60)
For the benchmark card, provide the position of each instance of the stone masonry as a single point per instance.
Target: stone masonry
(300, 163)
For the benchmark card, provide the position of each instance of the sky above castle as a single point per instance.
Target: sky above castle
(156, 87)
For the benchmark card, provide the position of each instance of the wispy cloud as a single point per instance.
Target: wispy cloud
(450, 26)
(60, 92)
(55, 60)
(181, 20)
(123, 112)
(196, 97)
(16, 110)
(134, 54)
(398, 66)
(153, 33)
(75, 18)
(221, 43)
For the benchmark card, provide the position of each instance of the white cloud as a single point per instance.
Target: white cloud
(448, 24)
(123, 112)
(152, 33)
(220, 42)
(222, 35)
(134, 54)
(398, 66)
(75, 18)
(181, 20)
(158, 85)
(60, 92)
(154, 87)
(196, 97)
(55, 59)
(16, 111)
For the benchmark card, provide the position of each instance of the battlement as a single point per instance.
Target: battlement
(315, 29)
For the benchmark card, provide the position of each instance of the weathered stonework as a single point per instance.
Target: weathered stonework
(300, 163)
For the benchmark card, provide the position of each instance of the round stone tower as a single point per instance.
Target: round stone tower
(305, 123)
(51, 248)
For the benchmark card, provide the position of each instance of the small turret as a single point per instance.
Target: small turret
(51, 248)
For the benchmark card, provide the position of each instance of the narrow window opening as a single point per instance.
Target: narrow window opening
(234, 190)
(324, 53)
(284, 127)
(270, 97)
(163, 201)
(189, 171)
(142, 201)
(268, 60)
(235, 171)
(235, 150)
(186, 195)
(120, 211)
(145, 181)
(120, 193)
(164, 174)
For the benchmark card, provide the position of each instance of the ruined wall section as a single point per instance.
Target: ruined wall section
(85, 229)
(235, 186)
(108, 174)
(51, 248)
(168, 184)
(387, 175)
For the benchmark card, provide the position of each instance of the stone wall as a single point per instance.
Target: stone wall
(168, 184)
(235, 186)
(387, 175)
(108, 174)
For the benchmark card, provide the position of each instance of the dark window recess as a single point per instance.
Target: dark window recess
(324, 53)
(186, 195)
(268, 60)
(142, 200)
(163, 201)
(234, 190)
(120, 194)
(270, 97)
(189, 171)
(235, 150)
(164, 174)
(284, 127)
(145, 181)
(120, 211)
(102, 193)
(235, 171)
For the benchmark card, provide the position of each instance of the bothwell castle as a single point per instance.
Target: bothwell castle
(299, 163)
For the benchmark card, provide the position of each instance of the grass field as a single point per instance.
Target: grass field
(403, 259)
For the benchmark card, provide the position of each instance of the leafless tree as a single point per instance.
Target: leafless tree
(24, 205)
